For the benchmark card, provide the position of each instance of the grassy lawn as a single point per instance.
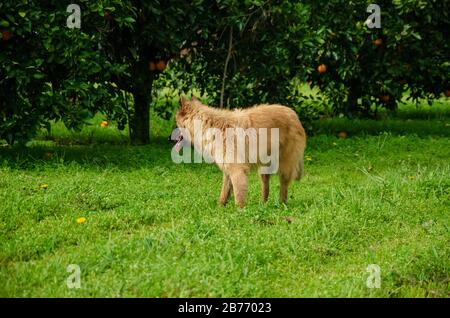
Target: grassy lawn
(153, 228)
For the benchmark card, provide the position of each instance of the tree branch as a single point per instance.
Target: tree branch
(225, 68)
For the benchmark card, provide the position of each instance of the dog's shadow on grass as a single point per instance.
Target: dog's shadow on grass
(119, 156)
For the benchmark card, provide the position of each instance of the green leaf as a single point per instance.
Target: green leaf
(22, 14)
(129, 20)
(416, 35)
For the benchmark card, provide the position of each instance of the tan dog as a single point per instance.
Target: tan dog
(285, 142)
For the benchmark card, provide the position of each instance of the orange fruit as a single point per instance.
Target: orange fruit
(378, 42)
(289, 219)
(384, 98)
(6, 35)
(322, 68)
(161, 65)
(152, 66)
(107, 15)
(447, 92)
(104, 123)
(342, 134)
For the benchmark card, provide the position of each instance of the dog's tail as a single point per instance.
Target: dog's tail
(300, 162)
(300, 167)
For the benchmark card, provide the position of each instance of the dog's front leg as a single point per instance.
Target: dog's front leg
(226, 188)
(239, 180)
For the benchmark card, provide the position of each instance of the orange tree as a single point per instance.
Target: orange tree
(373, 67)
(248, 54)
(254, 56)
(51, 72)
(47, 71)
(240, 52)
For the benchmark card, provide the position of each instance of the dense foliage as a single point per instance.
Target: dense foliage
(329, 45)
(236, 52)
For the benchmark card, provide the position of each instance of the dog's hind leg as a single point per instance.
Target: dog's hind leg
(239, 180)
(284, 184)
(226, 188)
(265, 178)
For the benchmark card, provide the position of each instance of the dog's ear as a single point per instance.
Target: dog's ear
(183, 106)
(183, 101)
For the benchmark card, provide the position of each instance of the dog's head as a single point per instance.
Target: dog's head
(186, 107)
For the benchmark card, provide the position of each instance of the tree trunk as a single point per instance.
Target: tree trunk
(352, 104)
(225, 68)
(139, 121)
(352, 100)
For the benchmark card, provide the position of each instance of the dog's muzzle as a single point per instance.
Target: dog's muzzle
(179, 143)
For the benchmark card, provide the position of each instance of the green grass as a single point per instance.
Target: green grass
(153, 229)
(422, 120)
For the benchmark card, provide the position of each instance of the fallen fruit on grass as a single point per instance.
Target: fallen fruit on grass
(81, 220)
(47, 156)
(447, 93)
(342, 134)
(322, 68)
(104, 123)
(43, 186)
(289, 219)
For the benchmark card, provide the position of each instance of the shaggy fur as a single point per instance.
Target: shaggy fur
(292, 143)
